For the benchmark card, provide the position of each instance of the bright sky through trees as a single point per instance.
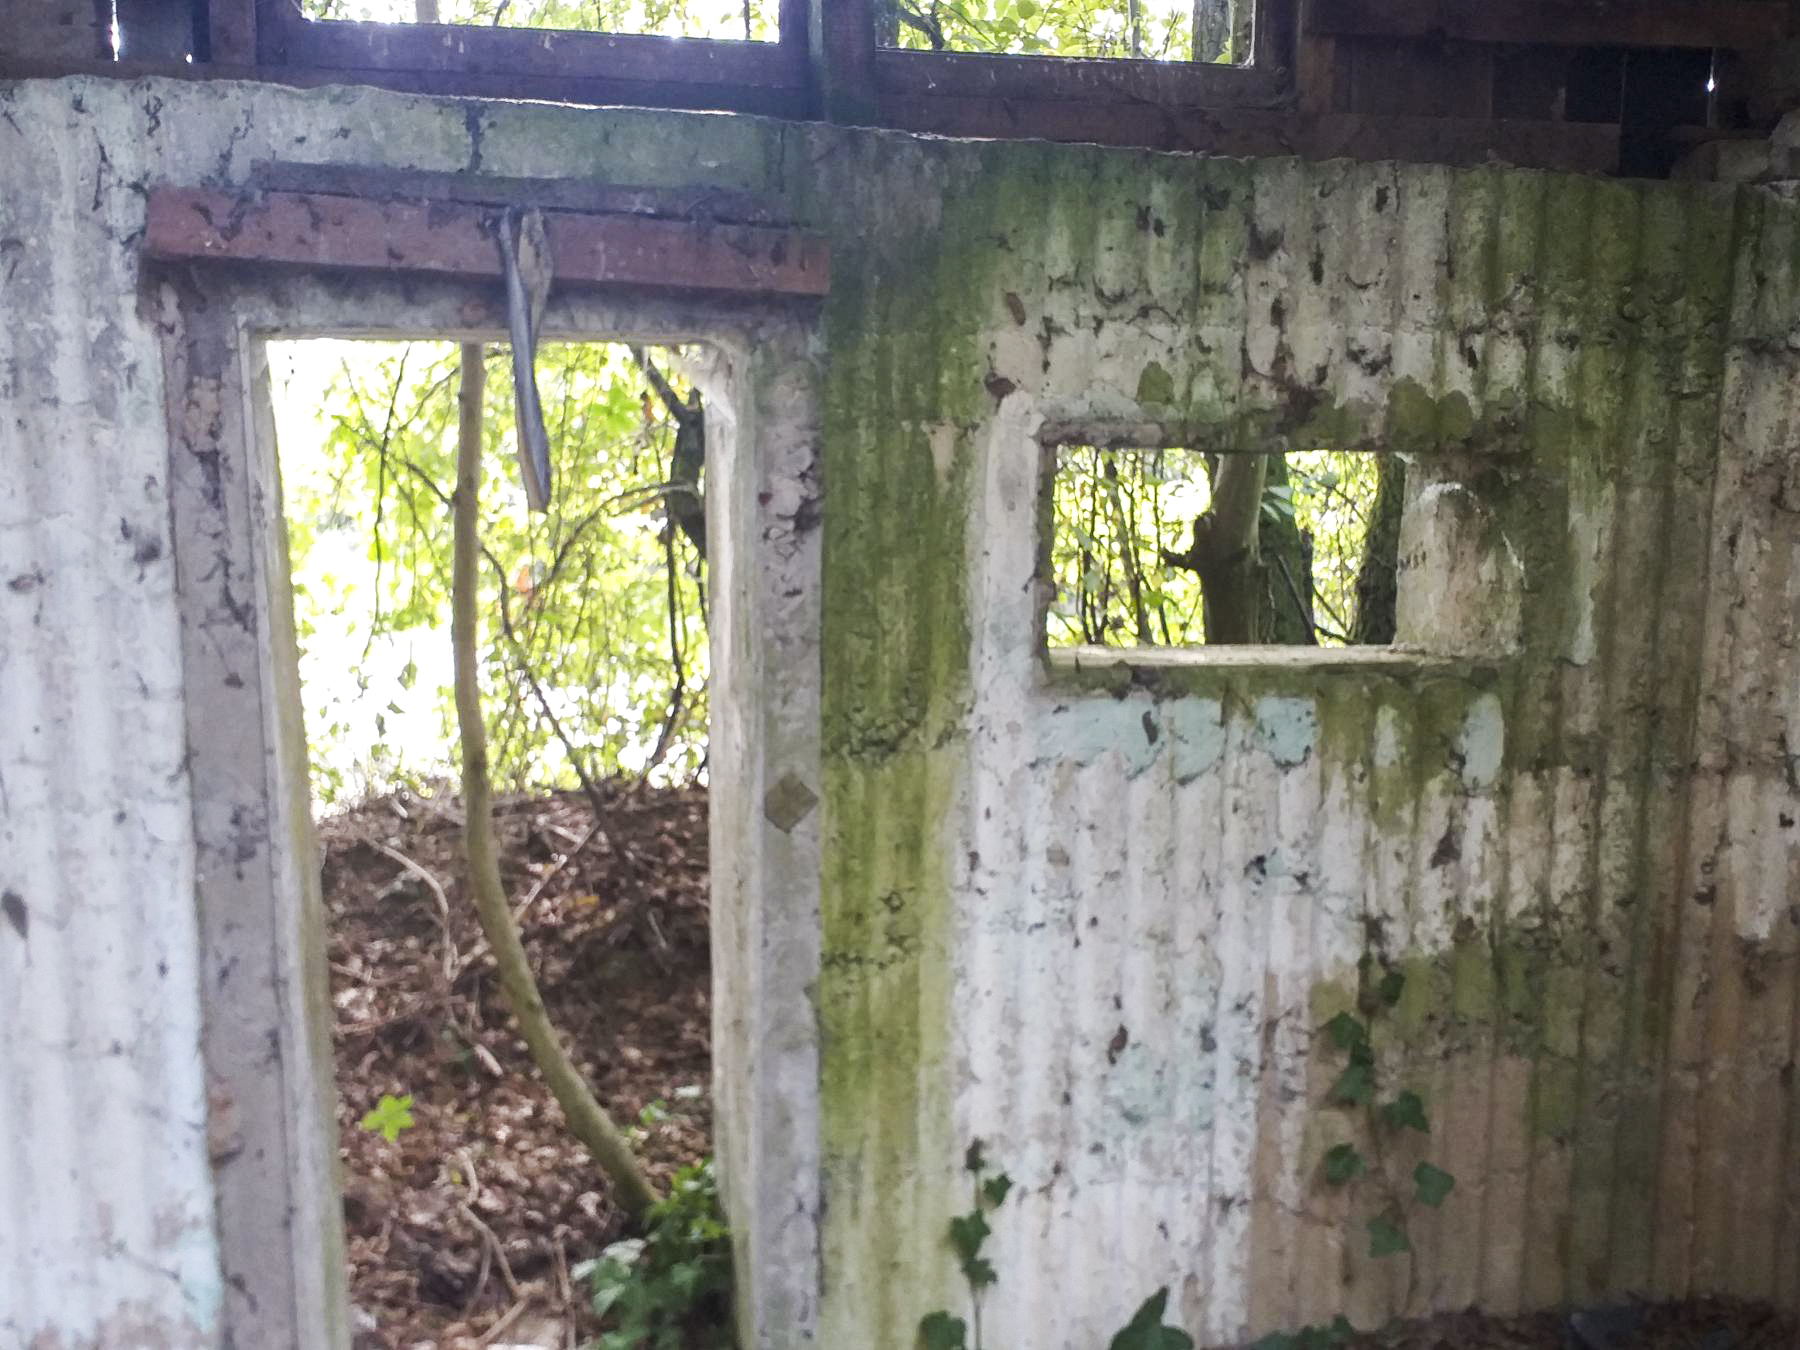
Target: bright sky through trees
(584, 618)
(1160, 30)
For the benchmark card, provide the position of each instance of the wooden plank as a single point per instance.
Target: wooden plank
(1420, 79)
(1575, 147)
(52, 30)
(466, 48)
(1320, 83)
(273, 19)
(231, 32)
(767, 102)
(454, 239)
(1045, 78)
(700, 202)
(1639, 23)
(842, 42)
(1275, 31)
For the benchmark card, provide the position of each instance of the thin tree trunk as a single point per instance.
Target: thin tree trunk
(1224, 553)
(587, 1119)
(1212, 29)
(1378, 575)
(1286, 563)
(1255, 574)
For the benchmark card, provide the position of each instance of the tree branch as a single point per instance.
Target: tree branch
(587, 1119)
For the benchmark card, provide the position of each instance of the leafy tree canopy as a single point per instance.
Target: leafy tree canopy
(597, 609)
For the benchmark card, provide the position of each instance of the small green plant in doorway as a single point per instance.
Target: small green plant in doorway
(669, 1289)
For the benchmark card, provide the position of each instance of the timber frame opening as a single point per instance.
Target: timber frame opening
(219, 292)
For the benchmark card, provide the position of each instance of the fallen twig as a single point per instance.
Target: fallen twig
(443, 901)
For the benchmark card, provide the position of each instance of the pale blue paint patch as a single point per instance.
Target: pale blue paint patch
(1288, 728)
(1482, 743)
(1197, 732)
(1081, 732)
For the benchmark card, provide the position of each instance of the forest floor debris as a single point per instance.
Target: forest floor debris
(1697, 1324)
(463, 1229)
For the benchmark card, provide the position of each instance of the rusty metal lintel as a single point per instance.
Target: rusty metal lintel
(453, 238)
(697, 202)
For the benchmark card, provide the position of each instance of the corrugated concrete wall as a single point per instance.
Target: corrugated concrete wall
(1099, 923)
(106, 1232)
(1095, 921)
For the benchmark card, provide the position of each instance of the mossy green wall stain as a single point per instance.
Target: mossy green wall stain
(885, 1018)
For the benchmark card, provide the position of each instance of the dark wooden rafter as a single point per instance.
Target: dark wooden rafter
(454, 238)
(1050, 78)
(1414, 79)
(1575, 147)
(1621, 23)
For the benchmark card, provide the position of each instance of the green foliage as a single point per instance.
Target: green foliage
(667, 18)
(1116, 512)
(1405, 1112)
(1145, 1330)
(1387, 1236)
(1344, 1164)
(1391, 986)
(390, 1116)
(581, 621)
(941, 1331)
(1357, 1086)
(969, 1234)
(671, 1288)
(1433, 1184)
(1346, 1032)
(1152, 30)
(1336, 1332)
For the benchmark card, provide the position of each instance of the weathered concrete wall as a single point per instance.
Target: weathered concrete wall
(1096, 920)
(1097, 923)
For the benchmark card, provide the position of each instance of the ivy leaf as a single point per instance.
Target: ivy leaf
(1276, 1340)
(1145, 1330)
(390, 1116)
(1347, 1032)
(1343, 1164)
(995, 1189)
(941, 1331)
(1406, 1112)
(1434, 1184)
(1392, 985)
(1386, 1238)
(967, 1233)
(979, 1272)
(973, 1160)
(1355, 1086)
(1323, 1337)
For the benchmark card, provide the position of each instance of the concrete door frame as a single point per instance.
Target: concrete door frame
(266, 1040)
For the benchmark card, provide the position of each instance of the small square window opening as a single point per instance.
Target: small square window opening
(1173, 548)
(1208, 31)
(744, 20)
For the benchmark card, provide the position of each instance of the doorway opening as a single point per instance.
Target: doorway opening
(470, 1210)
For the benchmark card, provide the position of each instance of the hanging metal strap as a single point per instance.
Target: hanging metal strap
(525, 258)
